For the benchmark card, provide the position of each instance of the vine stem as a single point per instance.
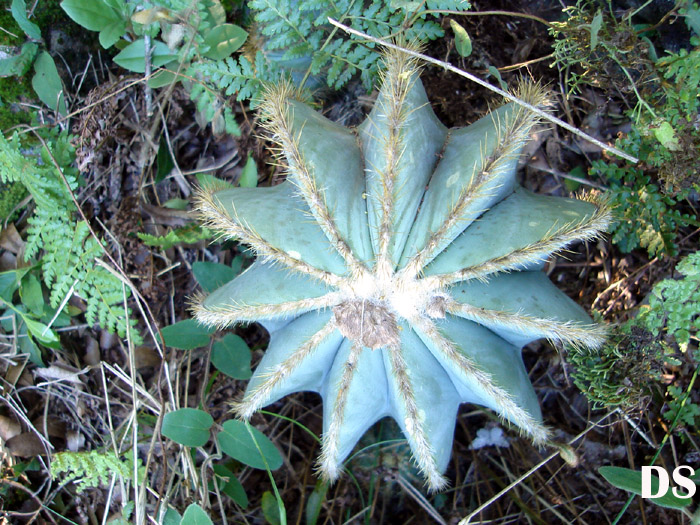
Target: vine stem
(485, 84)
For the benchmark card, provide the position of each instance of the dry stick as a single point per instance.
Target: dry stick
(501, 92)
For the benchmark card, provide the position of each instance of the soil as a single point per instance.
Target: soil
(382, 487)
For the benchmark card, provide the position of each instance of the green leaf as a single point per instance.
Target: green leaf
(164, 160)
(40, 331)
(19, 64)
(31, 294)
(187, 334)
(19, 13)
(195, 515)
(47, 84)
(211, 276)
(692, 18)
(248, 445)
(493, 71)
(665, 134)
(270, 509)
(171, 517)
(176, 204)
(231, 356)
(206, 180)
(315, 502)
(229, 485)
(190, 234)
(631, 481)
(463, 43)
(91, 14)
(132, 57)
(596, 24)
(112, 33)
(249, 175)
(9, 282)
(28, 346)
(163, 78)
(223, 40)
(187, 426)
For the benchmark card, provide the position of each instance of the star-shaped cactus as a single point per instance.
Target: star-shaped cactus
(398, 268)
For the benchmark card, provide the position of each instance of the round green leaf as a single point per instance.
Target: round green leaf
(187, 334)
(249, 175)
(631, 481)
(47, 84)
(463, 43)
(111, 33)
(248, 445)
(211, 276)
(223, 40)
(132, 57)
(91, 14)
(195, 515)
(231, 356)
(229, 485)
(187, 426)
(19, 13)
(270, 508)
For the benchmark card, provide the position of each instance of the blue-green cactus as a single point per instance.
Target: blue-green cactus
(398, 268)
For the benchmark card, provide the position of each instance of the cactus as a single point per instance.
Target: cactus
(399, 268)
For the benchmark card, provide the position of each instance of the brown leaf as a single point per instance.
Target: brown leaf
(10, 239)
(146, 356)
(26, 445)
(54, 426)
(9, 428)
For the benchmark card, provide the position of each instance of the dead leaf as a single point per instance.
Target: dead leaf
(9, 428)
(146, 356)
(10, 239)
(75, 440)
(26, 445)
(60, 372)
(54, 426)
(92, 355)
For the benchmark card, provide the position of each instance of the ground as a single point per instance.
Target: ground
(121, 193)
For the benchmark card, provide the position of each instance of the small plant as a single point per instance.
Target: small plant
(65, 248)
(294, 39)
(167, 34)
(397, 300)
(93, 468)
(595, 48)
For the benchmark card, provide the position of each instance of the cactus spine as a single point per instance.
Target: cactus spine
(398, 268)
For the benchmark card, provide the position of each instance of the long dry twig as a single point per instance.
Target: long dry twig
(485, 84)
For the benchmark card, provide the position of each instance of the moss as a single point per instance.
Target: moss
(10, 28)
(11, 194)
(11, 91)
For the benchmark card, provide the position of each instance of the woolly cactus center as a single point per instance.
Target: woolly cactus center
(376, 301)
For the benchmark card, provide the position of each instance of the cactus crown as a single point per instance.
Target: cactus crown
(398, 268)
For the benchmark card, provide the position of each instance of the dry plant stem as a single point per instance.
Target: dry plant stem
(501, 92)
(507, 407)
(259, 397)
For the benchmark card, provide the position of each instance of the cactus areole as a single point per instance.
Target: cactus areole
(399, 268)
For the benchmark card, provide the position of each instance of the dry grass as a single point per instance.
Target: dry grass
(111, 395)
